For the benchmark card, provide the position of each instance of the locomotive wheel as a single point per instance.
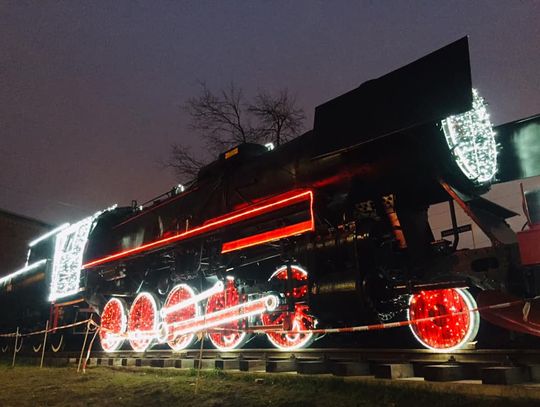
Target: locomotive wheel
(113, 325)
(143, 322)
(179, 293)
(449, 332)
(299, 320)
(225, 299)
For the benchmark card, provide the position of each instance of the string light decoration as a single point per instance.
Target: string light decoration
(216, 320)
(269, 205)
(197, 298)
(179, 294)
(450, 332)
(68, 256)
(220, 301)
(300, 320)
(143, 322)
(471, 139)
(29, 267)
(113, 325)
(48, 234)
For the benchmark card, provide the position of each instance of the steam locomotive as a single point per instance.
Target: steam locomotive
(328, 230)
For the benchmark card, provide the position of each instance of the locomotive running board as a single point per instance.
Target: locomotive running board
(270, 205)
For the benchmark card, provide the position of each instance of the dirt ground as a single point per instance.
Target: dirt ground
(30, 386)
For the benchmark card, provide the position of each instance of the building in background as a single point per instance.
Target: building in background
(15, 233)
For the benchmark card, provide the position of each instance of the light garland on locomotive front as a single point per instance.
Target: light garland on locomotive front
(471, 140)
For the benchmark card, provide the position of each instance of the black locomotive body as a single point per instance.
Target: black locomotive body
(328, 230)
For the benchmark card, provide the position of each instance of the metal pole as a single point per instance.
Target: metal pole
(44, 344)
(15, 347)
(83, 346)
(454, 224)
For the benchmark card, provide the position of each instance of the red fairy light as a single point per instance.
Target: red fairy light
(299, 320)
(113, 325)
(178, 294)
(226, 299)
(270, 236)
(142, 322)
(269, 205)
(456, 325)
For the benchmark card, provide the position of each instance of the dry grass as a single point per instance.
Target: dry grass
(30, 386)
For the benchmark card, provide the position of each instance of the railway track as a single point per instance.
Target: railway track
(487, 366)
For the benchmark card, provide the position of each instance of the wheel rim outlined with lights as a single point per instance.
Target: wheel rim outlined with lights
(300, 318)
(113, 325)
(457, 326)
(179, 293)
(229, 297)
(143, 322)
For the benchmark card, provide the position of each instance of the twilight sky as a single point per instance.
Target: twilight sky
(91, 91)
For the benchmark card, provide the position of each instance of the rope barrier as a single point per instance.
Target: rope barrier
(279, 329)
(13, 334)
(389, 325)
(362, 328)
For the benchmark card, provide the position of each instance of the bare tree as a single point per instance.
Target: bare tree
(185, 164)
(281, 119)
(225, 119)
(221, 120)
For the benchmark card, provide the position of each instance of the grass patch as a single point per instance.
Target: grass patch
(31, 386)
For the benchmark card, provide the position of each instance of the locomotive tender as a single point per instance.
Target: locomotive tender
(328, 230)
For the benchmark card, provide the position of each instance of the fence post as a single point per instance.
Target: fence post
(90, 350)
(203, 334)
(44, 344)
(15, 347)
(84, 345)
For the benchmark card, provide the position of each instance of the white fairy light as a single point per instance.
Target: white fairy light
(195, 298)
(48, 234)
(22, 271)
(68, 255)
(471, 139)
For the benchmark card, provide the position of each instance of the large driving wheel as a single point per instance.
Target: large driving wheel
(143, 322)
(299, 320)
(113, 325)
(221, 338)
(179, 294)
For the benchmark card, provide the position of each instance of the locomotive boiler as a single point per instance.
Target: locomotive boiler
(328, 230)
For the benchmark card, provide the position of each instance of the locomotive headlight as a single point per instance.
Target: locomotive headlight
(471, 140)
